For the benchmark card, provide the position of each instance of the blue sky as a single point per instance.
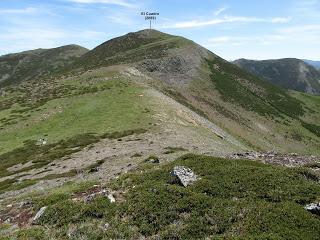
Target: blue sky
(230, 28)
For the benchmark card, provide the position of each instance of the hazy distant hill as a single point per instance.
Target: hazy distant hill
(316, 64)
(289, 73)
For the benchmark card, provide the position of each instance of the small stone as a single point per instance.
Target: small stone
(90, 198)
(105, 226)
(313, 208)
(25, 203)
(111, 198)
(8, 220)
(94, 169)
(39, 214)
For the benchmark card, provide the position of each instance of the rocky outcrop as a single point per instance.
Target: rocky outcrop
(184, 175)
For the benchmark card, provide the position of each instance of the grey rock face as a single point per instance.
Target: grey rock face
(185, 175)
(313, 208)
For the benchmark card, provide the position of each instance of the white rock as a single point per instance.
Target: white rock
(111, 198)
(313, 208)
(185, 175)
(39, 214)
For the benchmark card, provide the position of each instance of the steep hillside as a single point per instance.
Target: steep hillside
(19, 67)
(255, 111)
(288, 73)
(315, 64)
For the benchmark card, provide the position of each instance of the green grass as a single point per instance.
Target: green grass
(110, 109)
(130, 49)
(233, 199)
(315, 129)
(116, 109)
(13, 184)
(254, 95)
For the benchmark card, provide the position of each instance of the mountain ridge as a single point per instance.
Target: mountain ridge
(23, 66)
(289, 73)
(88, 149)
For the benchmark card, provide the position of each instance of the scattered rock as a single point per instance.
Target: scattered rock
(184, 175)
(39, 214)
(152, 159)
(313, 208)
(289, 160)
(94, 169)
(90, 197)
(42, 141)
(105, 226)
(103, 192)
(26, 203)
(111, 198)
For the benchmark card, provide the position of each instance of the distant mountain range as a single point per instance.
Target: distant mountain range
(289, 73)
(316, 64)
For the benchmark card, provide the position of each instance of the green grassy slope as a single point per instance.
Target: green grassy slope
(81, 114)
(261, 114)
(232, 200)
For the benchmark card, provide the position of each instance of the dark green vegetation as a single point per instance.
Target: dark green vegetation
(312, 128)
(232, 200)
(174, 149)
(19, 67)
(251, 92)
(130, 48)
(288, 73)
(111, 106)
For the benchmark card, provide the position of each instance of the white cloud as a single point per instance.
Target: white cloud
(122, 3)
(225, 19)
(27, 38)
(220, 10)
(240, 40)
(302, 29)
(18, 11)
